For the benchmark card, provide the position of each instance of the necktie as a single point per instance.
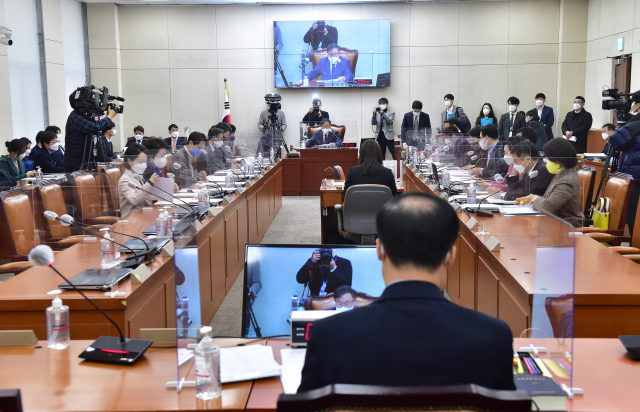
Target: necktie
(416, 121)
(511, 121)
(173, 145)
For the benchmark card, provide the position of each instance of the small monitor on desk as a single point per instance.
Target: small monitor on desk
(280, 279)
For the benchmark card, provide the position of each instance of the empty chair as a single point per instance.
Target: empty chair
(51, 199)
(338, 173)
(587, 180)
(88, 201)
(361, 206)
(17, 214)
(618, 190)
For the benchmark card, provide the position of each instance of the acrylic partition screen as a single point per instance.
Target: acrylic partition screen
(553, 297)
(332, 53)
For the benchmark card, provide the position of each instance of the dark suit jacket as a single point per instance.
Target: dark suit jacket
(539, 128)
(411, 336)
(579, 124)
(536, 186)
(503, 125)
(384, 177)
(314, 38)
(318, 138)
(314, 120)
(328, 72)
(546, 119)
(6, 181)
(133, 140)
(49, 162)
(212, 161)
(313, 274)
(105, 150)
(407, 124)
(493, 162)
(181, 142)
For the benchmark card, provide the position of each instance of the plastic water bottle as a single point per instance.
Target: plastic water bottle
(272, 156)
(207, 360)
(260, 160)
(294, 301)
(160, 225)
(107, 251)
(203, 200)
(471, 194)
(168, 224)
(230, 181)
(185, 315)
(303, 144)
(446, 178)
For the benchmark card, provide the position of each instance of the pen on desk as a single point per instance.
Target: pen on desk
(531, 368)
(520, 368)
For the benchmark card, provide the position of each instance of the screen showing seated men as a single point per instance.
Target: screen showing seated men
(279, 279)
(332, 53)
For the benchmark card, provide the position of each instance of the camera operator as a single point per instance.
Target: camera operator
(325, 272)
(321, 34)
(316, 114)
(79, 134)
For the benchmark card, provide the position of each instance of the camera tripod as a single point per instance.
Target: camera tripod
(252, 316)
(279, 67)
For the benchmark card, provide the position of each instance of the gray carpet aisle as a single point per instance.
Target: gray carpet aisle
(297, 222)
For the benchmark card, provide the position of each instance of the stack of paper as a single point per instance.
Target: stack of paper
(247, 362)
(292, 363)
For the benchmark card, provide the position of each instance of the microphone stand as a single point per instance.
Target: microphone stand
(277, 62)
(117, 233)
(489, 213)
(170, 194)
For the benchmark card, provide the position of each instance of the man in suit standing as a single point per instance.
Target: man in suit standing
(332, 67)
(576, 125)
(412, 335)
(416, 123)
(325, 272)
(321, 34)
(451, 111)
(512, 121)
(175, 142)
(383, 120)
(545, 115)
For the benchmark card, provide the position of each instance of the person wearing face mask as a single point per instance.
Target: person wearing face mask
(491, 185)
(332, 67)
(49, 158)
(12, 164)
(27, 160)
(156, 159)
(174, 142)
(214, 158)
(576, 125)
(135, 162)
(56, 130)
(325, 135)
(344, 298)
(138, 136)
(562, 197)
(467, 147)
(451, 111)
(491, 161)
(382, 119)
(545, 116)
(486, 116)
(533, 122)
(417, 235)
(511, 121)
(315, 114)
(186, 157)
(416, 122)
(105, 145)
(526, 161)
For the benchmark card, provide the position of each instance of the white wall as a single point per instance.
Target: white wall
(172, 60)
(73, 46)
(608, 21)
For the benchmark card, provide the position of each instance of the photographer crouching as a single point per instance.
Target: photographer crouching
(84, 126)
(325, 272)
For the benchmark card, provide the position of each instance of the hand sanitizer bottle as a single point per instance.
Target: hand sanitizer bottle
(207, 362)
(230, 181)
(57, 323)
(446, 179)
(260, 160)
(160, 225)
(107, 251)
(203, 199)
(168, 224)
(272, 156)
(39, 174)
(471, 194)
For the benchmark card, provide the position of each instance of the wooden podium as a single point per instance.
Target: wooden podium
(314, 161)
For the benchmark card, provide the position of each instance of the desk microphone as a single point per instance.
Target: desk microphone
(105, 348)
(131, 261)
(133, 186)
(489, 213)
(139, 177)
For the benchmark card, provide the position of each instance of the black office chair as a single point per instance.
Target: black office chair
(361, 206)
(363, 398)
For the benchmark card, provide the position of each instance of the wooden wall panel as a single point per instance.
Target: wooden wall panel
(487, 300)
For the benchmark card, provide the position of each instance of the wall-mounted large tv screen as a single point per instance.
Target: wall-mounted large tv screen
(332, 53)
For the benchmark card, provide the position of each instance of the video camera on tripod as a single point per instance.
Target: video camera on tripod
(620, 102)
(273, 100)
(95, 102)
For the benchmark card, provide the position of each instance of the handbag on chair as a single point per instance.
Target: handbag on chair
(601, 214)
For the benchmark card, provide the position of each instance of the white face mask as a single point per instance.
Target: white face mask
(160, 162)
(512, 108)
(383, 106)
(218, 144)
(27, 152)
(113, 132)
(139, 168)
(175, 135)
(577, 106)
(344, 309)
(22, 156)
(325, 131)
(483, 144)
(539, 103)
(138, 137)
(486, 112)
(447, 103)
(518, 168)
(508, 159)
(54, 147)
(60, 138)
(605, 136)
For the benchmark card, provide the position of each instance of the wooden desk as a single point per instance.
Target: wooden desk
(60, 381)
(328, 199)
(501, 284)
(314, 161)
(221, 246)
(602, 369)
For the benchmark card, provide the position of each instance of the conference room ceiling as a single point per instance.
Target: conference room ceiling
(189, 2)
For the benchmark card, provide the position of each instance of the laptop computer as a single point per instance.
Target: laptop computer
(97, 279)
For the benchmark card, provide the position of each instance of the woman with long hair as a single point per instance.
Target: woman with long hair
(370, 170)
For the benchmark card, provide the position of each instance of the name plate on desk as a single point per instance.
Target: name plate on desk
(249, 182)
(140, 274)
(414, 168)
(418, 174)
(197, 225)
(226, 200)
(425, 180)
(239, 190)
(168, 249)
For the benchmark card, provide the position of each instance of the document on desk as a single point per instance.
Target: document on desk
(247, 362)
(292, 363)
(518, 210)
(161, 189)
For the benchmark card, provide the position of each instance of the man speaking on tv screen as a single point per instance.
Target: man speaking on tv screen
(332, 67)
